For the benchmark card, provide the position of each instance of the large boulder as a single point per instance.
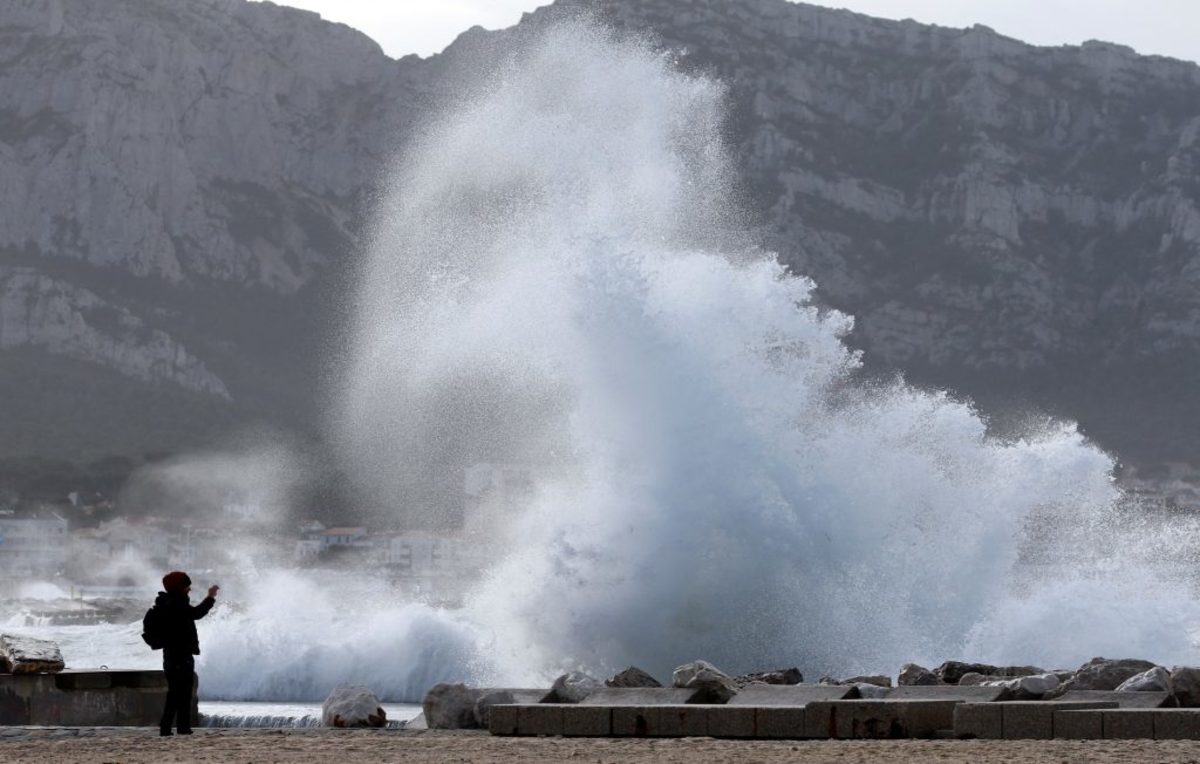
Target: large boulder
(1031, 687)
(711, 683)
(1157, 679)
(352, 706)
(417, 722)
(450, 707)
(879, 680)
(1014, 671)
(26, 655)
(951, 671)
(913, 675)
(484, 703)
(1186, 683)
(780, 676)
(871, 691)
(574, 687)
(632, 677)
(1102, 674)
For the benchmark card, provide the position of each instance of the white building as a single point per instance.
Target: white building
(308, 546)
(344, 538)
(32, 545)
(494, 492)
(430, 564)
(119, 550)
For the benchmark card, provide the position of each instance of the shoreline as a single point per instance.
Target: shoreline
(135, 745)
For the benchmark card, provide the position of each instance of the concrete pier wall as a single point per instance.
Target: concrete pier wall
(85, 698)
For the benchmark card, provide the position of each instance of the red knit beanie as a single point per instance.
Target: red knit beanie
(176, 581)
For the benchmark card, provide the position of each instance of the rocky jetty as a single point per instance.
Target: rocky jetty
(457, 706)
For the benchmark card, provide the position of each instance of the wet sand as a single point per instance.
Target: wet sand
(131, 746)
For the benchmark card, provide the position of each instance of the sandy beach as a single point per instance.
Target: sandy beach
(135, 746)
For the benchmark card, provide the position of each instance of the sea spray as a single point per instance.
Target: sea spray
(555, 283)
(294, 636)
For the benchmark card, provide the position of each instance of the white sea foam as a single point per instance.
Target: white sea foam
(558, 280)
(290, 637)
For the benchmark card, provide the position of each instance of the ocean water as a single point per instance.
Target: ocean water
(285, 715)
(561, 278)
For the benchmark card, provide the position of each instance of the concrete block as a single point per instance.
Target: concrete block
(14, 704)
(83, 680)
(949, 692)
(94, 698)
(540, 719)
(1034, 719)
(979, 720)
(1122, 699)
(149, 679)
(639, 696)
(731, 721)
(75, 708)
(1177, 724)
(502, 720)
(819, 720)
(856, 719)
(790, 694)
(781, 722)
(1129, 724)
(1078, 725)
(683, 721)
(635, 721)
(586, 721)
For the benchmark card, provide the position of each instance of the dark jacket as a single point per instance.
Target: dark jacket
(179, 622)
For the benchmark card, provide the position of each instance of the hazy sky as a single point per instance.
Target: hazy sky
(1166, 27)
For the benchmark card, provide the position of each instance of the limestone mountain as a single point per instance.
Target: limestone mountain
(184, 188)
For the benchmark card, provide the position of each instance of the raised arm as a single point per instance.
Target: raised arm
(201, 610)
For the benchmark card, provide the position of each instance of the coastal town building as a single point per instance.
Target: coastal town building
(345, 538)
(429, 564)
(32, 544)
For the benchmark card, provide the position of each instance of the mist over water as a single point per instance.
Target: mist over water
(558, 280)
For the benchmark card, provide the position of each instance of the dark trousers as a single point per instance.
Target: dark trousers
(180, 671)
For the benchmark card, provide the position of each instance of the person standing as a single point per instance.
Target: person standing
(176, 625)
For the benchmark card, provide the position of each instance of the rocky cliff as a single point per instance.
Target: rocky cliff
(1019, 224)
(177, 181)
(183, 188)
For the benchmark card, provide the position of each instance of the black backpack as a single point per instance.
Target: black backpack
(153, 632)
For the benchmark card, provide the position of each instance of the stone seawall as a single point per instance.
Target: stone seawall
(85, 698)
